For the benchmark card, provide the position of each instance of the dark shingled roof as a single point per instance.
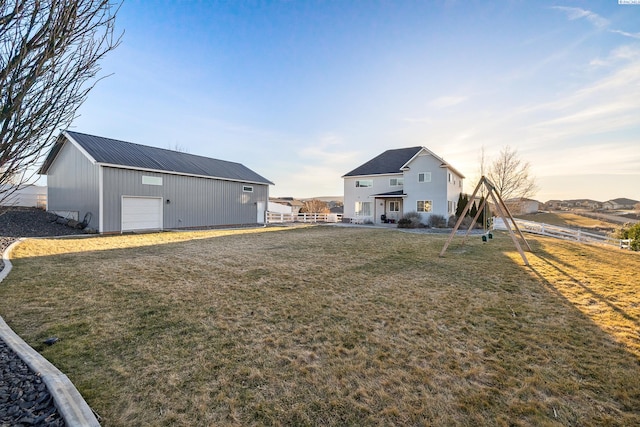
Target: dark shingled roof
(120, 153)
(388, 162)
(391, 194)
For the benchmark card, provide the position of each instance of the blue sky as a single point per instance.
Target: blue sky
(304, 91)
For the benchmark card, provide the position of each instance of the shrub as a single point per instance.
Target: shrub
(632, 232)
(437, 221)
(404, 223)
(410, 220)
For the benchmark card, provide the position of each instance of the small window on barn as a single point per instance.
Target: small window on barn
(151, 180)
(247, 188)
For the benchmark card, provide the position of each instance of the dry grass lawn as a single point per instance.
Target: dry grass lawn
(334, 326)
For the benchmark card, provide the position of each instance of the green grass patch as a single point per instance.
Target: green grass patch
(334, 326)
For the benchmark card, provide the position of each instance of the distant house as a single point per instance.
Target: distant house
(118, 186)
(294, 204)
(553, 204)
(400, 181)
(577, 203)
(588, 204)
(621, 203)
(522, 206)
(278, 208)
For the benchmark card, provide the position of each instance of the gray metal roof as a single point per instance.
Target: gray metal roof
(388, 162)
(109, 151)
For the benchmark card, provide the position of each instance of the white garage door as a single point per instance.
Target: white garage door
(141, 213)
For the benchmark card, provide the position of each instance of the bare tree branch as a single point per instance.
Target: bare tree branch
(49, 55)
(314, 206)
(511, 176)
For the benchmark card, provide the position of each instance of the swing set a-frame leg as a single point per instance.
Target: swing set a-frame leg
(501, 208)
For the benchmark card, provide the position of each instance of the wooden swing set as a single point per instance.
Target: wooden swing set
(503, 212)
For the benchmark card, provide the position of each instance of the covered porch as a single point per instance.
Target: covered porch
(388, 207)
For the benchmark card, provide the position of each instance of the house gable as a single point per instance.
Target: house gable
(391, 161)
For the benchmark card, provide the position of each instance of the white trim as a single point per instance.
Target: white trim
(100, 199)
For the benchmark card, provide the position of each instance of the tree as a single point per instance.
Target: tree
(473, 211)
(462, 202)
(49, 53)
(314, 206)
(511, 176)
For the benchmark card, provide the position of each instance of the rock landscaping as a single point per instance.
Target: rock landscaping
(24, 398)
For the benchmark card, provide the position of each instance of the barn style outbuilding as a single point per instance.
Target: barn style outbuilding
(117, 186)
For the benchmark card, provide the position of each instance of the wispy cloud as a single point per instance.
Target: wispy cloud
(626, 34)
(617, 56)
(574, 13)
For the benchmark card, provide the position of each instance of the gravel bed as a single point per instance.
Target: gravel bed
(24, 398)
(30, 222)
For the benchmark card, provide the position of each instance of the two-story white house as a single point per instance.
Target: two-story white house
(400, 181)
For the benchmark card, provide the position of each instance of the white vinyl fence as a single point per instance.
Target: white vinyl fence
(28, 196)
(280, 218)
(561, 232)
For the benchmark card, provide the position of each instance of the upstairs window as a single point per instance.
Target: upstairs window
(394, 182)
(424, 177)
(364, 183)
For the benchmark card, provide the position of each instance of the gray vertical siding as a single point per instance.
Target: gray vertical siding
(72, 184)
(193, 201)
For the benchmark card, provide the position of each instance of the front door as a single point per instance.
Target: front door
(393, 210)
